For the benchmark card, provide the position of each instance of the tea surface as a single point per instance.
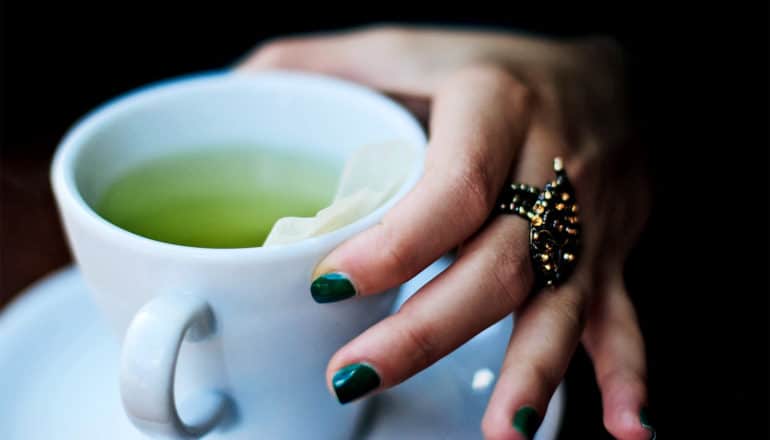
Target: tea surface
(223, 197)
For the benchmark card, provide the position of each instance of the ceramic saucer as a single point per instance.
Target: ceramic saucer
(59, 377)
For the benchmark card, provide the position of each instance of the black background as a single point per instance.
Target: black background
(699, 82)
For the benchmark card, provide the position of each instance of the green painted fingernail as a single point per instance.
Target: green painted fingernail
(354, 381)
(332, 287)
(646, 423)
(526, 421)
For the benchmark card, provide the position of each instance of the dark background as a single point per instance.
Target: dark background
(699, 86)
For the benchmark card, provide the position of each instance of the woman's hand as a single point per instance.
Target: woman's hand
(501, 107)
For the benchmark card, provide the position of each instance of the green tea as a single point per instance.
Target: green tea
(218, 197)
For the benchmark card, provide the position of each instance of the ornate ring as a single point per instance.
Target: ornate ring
(554, 225)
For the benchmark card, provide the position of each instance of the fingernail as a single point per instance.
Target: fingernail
(526, 421)
(332, 287)
(354, 381)
(646, 423)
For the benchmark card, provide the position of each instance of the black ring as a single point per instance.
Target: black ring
(554, 231)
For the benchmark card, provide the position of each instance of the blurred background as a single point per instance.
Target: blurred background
(698, 81)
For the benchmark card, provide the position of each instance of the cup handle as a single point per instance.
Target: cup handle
(148, 363)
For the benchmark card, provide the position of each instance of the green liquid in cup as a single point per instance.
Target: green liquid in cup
(218, 197)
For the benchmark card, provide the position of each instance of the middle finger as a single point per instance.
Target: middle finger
(491, 277)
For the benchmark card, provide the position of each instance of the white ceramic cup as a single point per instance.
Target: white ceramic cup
(228, 340)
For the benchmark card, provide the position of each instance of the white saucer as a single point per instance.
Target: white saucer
(58, 377)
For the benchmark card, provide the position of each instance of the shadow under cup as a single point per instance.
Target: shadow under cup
(271, 342)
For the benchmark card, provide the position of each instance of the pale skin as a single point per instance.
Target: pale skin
(500, 108)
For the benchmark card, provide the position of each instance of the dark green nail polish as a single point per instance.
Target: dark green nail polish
(646, 423)
(332, 287)
(526, 421)
(354, 381)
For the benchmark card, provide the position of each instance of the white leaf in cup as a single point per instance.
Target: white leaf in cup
(372, 174)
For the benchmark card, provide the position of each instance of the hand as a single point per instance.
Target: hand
(501, 107)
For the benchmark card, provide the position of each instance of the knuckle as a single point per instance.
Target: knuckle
(499, 82)
(420, 343)
(476, 181)
(397, 258)
(513, 273)
(621, 378)
(276, 53)
(545, 377)
(492, 76)
(571, 311)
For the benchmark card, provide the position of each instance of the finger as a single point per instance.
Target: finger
(479, 117)
(542, 344)
(614, 342)
(491, 276)
(383, 58)
(548, 328)
(405, 60)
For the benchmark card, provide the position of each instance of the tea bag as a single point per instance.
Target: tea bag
(372, 174)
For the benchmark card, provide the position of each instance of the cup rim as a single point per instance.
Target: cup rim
(67, 152)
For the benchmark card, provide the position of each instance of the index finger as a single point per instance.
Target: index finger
(480, 117)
